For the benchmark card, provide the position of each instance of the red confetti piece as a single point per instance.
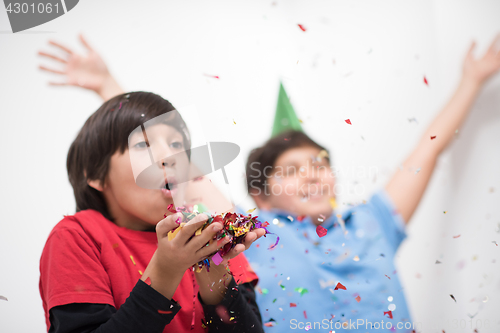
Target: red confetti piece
(269, 324)
(115, 245)
(433, 137)
(293, 305)
(321, 231)
(388, 313)
(388, 276)
(425, 81)
(212, 76)
(340, 286)
(164, 312)
(305, 314)
(148, 281)
(456, 236)
(171, 209)
(217, 259)
(265, 224)
(348, 121)
(358, 298)
(301, 218)
(301, 27)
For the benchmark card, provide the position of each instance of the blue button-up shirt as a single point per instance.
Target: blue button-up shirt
(297, 279)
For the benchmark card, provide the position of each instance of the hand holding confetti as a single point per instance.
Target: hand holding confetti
(235, 228)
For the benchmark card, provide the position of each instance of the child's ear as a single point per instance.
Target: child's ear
(96, 184)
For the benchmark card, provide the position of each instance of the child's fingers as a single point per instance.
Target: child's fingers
(209, 250)
(190, 228)
(167, 224)
(206, 236)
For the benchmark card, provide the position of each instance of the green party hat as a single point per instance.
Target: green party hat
(285, 117)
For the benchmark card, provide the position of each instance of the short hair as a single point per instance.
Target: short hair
(266, 156)
(107, 131)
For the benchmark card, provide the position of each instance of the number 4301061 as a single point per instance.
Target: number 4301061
(25, 8)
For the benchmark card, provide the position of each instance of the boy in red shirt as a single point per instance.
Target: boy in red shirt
(104, 269)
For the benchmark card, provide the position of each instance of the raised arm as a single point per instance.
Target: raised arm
(86, 71)
(408, 184)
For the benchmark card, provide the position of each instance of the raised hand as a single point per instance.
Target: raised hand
(480, 69)
(86, 71)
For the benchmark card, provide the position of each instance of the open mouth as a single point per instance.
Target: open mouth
(169, 184)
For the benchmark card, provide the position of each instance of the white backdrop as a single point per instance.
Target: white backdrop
(362, 60)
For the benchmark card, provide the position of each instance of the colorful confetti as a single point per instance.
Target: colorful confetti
(305, 314)
(358, 298)
(340, 286)
(425, 81)
(235, 226)
(293, 305)
(321, 231)
(453, 298)
(301, 290)
(348, 121)
(3, 298)
(388, 313)
(212, 76)
(456, 236)
(164, 312)
(301, 27)
(433, 137)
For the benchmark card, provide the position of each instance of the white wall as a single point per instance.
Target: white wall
(382, 50)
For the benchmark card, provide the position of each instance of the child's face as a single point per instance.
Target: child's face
(301, 183)
(140, 208)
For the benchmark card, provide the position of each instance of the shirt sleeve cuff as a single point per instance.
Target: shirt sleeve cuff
(153, 301)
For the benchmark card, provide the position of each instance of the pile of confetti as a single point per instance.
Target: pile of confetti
(235, 226)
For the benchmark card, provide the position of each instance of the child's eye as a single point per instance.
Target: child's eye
(177, 145)
(141, 144)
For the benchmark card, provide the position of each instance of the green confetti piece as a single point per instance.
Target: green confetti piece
(274, 300)
(265, 291)
(302, 291)
(282, 286)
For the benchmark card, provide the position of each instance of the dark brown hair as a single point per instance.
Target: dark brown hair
(266, 156)
(106, 132)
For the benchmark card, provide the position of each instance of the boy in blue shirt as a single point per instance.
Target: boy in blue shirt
(336, 272)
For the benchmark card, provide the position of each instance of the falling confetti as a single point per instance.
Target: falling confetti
(132, 258)
(305, 314)
(425, 81)
(148, 281)
(433, 137)
(340, 286)
(301, 291)
(453, 298)
(388, 313)
(321, 231)
(438, 262)
(3, 298)
(234, 122)
(300, 218)
(348, 121)
(251, 210)
(387, 276)
(358, 298)
(301, 27)
(212, 76)
(456, 236)
(293, 305)
(164, 312)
